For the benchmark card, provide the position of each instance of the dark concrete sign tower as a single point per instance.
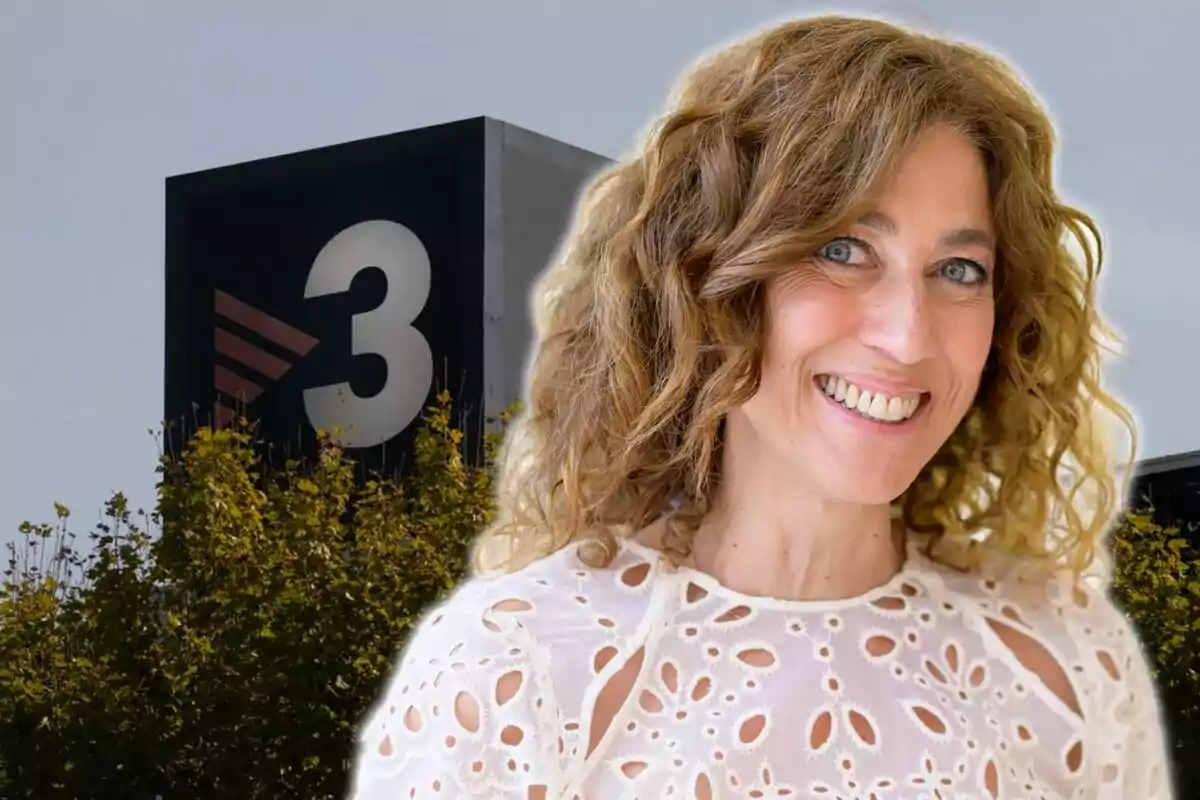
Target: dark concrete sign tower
(339, 288)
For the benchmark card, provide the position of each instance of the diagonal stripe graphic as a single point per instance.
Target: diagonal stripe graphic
(257, 359)
(263, 324)
(235, 385)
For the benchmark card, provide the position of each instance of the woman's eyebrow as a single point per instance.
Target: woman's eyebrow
(960, 237)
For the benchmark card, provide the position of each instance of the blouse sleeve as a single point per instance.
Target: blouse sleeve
(1126, 714)
(465, 715)
(1147, 766)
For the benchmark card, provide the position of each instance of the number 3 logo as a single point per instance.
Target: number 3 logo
(385, 331)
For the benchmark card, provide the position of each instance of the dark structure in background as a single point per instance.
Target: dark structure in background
(1171, 484)
(340, 288)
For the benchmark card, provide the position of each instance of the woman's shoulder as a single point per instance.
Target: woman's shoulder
(1064, 611)
(562, 589)
(1003, 586)
(490, 678)
(1070, 632)
(554, 599)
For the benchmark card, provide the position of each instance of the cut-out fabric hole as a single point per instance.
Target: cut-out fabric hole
(1109, 664)
(635, 576)
(862, 726)
(612, 697)
(1074, 757)
(603, 656)
(928, 719)
(466, 711)
(991, 779)
(757, 657)
(508, 685)
(512, 604)
(820, 732)
(670, 677)
(733, 614)
(650, 702)
(952, 657)
(880, 645)
(752, 728)
(1034, 656)
(978, 677)
(891, 603)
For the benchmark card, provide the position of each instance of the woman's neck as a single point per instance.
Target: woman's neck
(797, 550)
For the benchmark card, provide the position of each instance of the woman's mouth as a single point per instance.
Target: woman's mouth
(876, 406)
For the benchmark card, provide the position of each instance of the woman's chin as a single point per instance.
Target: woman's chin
(864, 484)
(873, 495)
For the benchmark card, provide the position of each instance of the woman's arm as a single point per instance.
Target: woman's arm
(1145, 765)
(1123, 711)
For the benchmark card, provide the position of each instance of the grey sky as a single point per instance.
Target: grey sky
(102, 101)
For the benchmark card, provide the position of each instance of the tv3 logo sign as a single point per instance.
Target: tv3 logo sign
(386, 331)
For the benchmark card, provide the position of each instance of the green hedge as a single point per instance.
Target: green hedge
(232, 653)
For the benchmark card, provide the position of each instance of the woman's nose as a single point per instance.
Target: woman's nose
(898, 319)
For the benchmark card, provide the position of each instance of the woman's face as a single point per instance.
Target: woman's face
(875, 348)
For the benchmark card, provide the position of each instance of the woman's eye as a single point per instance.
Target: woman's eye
(965, 271)
(839, 251)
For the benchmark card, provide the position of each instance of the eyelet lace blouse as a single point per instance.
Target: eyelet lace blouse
(908, 691)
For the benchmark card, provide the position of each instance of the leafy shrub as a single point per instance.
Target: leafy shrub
(233, 653)
(1157, 582)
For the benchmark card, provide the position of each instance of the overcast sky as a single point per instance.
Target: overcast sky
(101, 101)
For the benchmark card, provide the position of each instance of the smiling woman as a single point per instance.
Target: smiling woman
(809, 485)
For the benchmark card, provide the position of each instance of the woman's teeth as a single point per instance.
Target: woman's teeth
(873, 405)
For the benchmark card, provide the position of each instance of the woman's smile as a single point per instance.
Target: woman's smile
(877, 405)
(873, 412)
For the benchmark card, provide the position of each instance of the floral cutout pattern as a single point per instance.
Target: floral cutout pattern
(647, 681)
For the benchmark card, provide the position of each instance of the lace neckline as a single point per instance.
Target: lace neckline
(894, 587)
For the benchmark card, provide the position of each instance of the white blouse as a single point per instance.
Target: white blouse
(905, 692)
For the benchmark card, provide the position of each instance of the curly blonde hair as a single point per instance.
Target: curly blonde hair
(650, 325)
